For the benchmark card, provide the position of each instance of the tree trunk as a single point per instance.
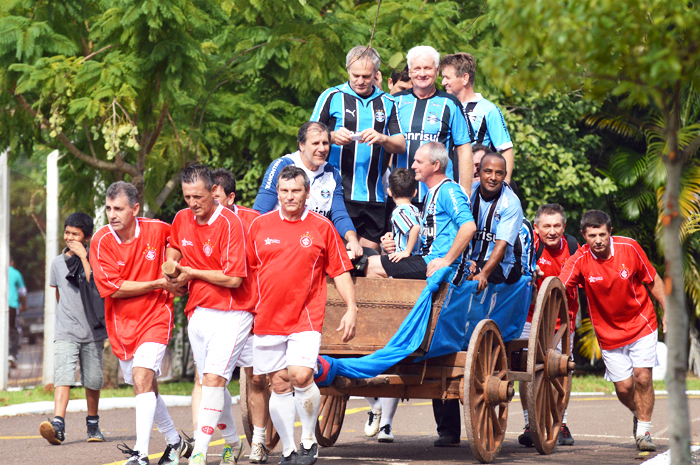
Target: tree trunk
(677, 316)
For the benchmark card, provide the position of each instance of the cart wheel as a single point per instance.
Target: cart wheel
(271, 436)
(330, 419)
(548, 394)
(487, 391)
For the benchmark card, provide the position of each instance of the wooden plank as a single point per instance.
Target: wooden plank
(519, 376)
(427, 390)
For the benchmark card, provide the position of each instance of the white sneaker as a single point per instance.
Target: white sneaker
(372, 425)
(385, 434)
(258, 453)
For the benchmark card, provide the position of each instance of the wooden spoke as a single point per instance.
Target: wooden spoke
(548, 395)
(332, 414)
(485, 419)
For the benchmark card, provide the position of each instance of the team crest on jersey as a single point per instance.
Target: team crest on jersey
(325, 193)
(431, 209)
(432, 118)
(208, 248)
(624, 272)
(306, 240)
(149, 253)
(380, 116)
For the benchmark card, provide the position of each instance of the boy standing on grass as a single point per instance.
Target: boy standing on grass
(405, 226)
(80, 330)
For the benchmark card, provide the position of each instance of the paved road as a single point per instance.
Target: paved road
(600, 425)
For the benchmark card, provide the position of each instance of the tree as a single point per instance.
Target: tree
(641, 51)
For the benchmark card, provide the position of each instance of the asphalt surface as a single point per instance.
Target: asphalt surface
(600, 425)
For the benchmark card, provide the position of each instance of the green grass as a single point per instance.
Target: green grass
(596, 383)
(38, 394)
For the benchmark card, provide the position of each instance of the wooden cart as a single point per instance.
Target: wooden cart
(481, 378)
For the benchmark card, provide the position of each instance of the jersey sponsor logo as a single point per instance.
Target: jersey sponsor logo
(593, 279)
(432, 118)
(149, 253)
(352, 112)
(269, 241)
(624, 272)
(421, 136)
(455, 206)
(120, 263)
(207, 430)
(185, 243)
(306, 240)
(325, 193)
(380, 116)
(486, 236)
(208, 248)
(544, 261)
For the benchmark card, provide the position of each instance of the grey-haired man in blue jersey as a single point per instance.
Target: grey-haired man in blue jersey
(365, 129)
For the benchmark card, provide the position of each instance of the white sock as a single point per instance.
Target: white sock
(164, 423)
(527, 417)
(308, 402)
(258, 434)
(226, 423)
(145, 411)
(563, 420)
(283, 412)
(375, 404)
(389, 406)
(208, 417)
(643, 427)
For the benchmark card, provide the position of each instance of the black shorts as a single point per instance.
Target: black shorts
(497, 276)
(368, 218)
(413, 267)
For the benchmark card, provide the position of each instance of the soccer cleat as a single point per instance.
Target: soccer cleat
(525, 439)
(565, 438)
(291, 459)
(258, 453)
(634, 426)
(307, 456)
(231, 454)
(136, 457)
(446, 440)
(52, 432)
(94, 434)
(385, 434)
(645, 444)
(189, 445)
(372, 425)
(198, 459)
(173, 452)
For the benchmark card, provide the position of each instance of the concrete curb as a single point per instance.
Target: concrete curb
(665, 458)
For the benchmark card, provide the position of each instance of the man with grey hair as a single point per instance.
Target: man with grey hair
(365, 129)
(126, 260)
(447, 224)
(431, 115)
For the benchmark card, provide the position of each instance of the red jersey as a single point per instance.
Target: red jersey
(551, 264)
(144, 318)
(247, 215)
(290, 260)
(620, 307)
(217, 245)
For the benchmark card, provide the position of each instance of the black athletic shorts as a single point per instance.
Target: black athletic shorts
(368, 218)
(497, 276)
(413, 267)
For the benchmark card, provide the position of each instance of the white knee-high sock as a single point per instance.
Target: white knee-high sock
(208, 417)
(308, 403)
(258, 434)
(643, 427)
(527, 417)
(226, 424)
(283, 413)
(375, 403)
(164, 423)
(389, 406)
(145, 411)
(563, 420)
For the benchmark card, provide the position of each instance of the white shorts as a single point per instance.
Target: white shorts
(148, 355)
(274, 353)
(621, 362)
(217, 339)
(526, 335)
(245, 360)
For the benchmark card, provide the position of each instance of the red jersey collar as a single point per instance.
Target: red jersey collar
(116, 236)
(612, 250)
(303, 215)
(214, 215)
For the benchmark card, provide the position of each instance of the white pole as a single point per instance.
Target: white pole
(4, 268)
(51, 253)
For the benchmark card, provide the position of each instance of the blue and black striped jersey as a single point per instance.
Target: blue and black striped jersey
(403, 219)
(498, 218)
(361, 166)
(486, 124)
(435, 119)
